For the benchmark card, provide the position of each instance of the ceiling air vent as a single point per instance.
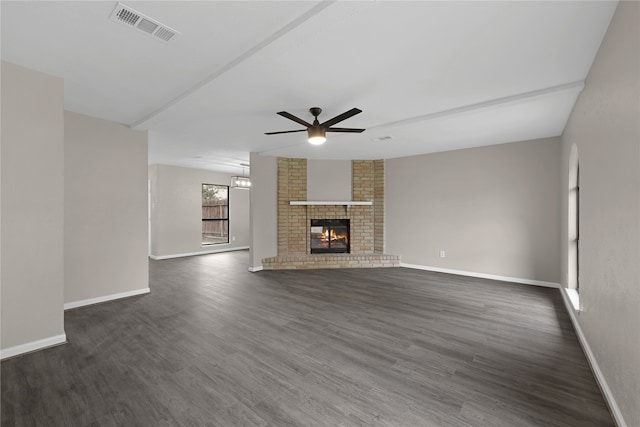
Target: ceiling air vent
(134, 19)
(382, 138)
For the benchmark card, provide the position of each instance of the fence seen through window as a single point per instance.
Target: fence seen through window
(215, 214)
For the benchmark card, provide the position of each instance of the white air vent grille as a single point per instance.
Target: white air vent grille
(382, 138)
(147, 26)
(127, 16)
(165, 34)
(133, 18)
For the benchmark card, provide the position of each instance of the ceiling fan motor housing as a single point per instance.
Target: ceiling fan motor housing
(315, 111)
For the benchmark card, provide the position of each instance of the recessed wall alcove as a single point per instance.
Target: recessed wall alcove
(365, 213)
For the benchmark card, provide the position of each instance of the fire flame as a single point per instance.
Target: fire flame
(333, 236)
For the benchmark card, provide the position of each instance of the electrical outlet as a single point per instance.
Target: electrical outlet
(442, 254)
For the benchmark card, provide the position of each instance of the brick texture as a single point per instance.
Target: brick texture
(366, 222)
(378, 206)
(292, 185)
(304, 262)
(362, 216)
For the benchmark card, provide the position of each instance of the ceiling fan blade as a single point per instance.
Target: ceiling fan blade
(341, 117)
(285, 131)
(294, 118)
(350, 130)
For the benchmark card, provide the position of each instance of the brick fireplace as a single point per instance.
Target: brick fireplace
(365, 215)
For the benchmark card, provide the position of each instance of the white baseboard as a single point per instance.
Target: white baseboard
(33, 346)
(574, 297)
(91, 301)
(211, 251)
(483, 275)
(602, 382)
(256, 269)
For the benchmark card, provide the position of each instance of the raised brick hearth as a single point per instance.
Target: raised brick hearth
(292, 262)
(366, 221)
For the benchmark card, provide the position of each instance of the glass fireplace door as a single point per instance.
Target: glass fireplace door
(329, 236)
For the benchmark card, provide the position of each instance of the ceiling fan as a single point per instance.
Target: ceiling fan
(316, 130)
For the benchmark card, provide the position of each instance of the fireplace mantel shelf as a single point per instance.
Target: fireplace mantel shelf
(329, 203)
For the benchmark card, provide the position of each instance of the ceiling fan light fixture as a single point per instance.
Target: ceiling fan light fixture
(317, 135)
(318, 131)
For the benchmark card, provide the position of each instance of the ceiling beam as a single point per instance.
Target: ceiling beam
(483, 105)
(238, 60)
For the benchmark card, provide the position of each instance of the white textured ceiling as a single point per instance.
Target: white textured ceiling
(434, 76)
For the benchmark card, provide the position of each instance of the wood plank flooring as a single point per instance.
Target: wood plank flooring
(215, 345)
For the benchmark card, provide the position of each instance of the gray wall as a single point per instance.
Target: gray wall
(328, 180)
(605, 126)
(493, 210)
(264, 209)
(105, 208)
(176, 211)
(32, 206)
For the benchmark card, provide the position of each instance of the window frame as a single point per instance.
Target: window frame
(205, 219)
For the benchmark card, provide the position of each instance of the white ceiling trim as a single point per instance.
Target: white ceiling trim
(240, 59)
(579, 85)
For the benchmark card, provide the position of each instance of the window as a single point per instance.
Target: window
(577, 221)
(573, 255)
(215, 214)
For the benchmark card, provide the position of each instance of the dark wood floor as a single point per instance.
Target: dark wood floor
(215, 345)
